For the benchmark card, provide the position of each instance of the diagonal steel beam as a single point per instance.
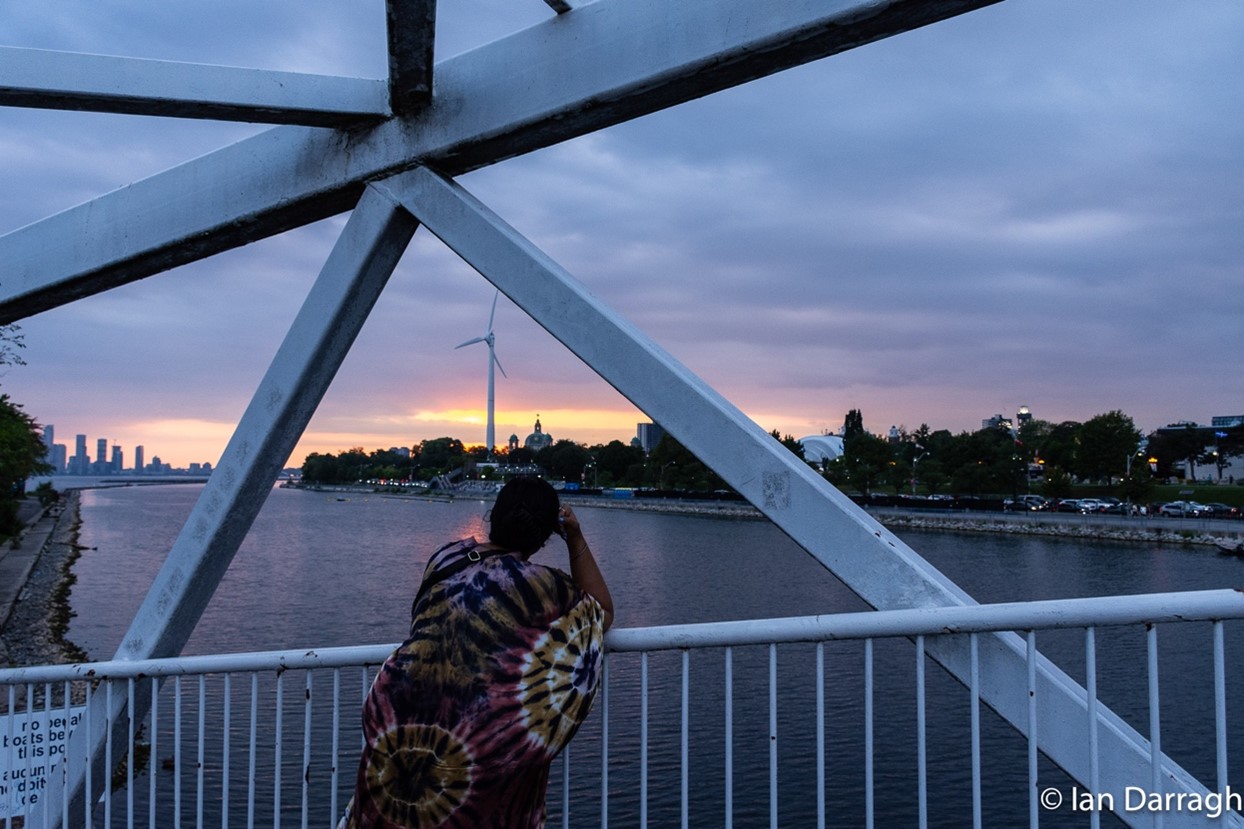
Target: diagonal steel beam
(411, 26)
(103, 83)
(332, 315)
(869, 559)
(605, 63)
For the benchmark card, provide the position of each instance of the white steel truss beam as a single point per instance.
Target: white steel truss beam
(600, 64)
(104, 83)
(412, 39)
(332, 315)
(869, 559)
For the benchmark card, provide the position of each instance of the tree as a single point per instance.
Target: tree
(853, 424)
(1174, 445)
(320, 469)
(789, 442)
(1138, 484)
(440, 455)
(615, 462)
(986, 462)
(865, 460)
(1057, 483)
(1107, 442)
(21, 455)
(672, 466)
(564, 460)
(11, 342)
(1060, 446)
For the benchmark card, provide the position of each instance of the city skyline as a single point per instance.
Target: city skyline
(648, 434)
(109, 457)
(1036, 202)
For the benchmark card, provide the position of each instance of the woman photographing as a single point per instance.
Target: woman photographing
(501, 666)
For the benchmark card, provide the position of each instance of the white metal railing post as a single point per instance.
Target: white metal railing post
(225, 746)
(200, 779)
(176, 752)
(1220, 711)
(684, 740)
(604, 744)
(336, 747)
(47, 717)
(869, 802)
(1034, 815)
(306, 753)
(1155, 719)
(155, 752)
(1090, 681)
(277, 749)
(729, 738)
(252, 751)
(10, 752)
(130, 760)
(773, 739)
(976, 731)
(643, 740)
(64, 753)
(108, 766)
(922, 767)
(820, 735)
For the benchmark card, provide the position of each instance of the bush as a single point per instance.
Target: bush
(47, 494)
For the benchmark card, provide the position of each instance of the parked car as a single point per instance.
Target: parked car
(1219, 510)
(1091, 505)
(1068, 505)
(1025, 503)
(1185, 509)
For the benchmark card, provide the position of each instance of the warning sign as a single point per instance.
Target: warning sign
(31, 747)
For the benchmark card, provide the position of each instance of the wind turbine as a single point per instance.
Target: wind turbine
(490, 435)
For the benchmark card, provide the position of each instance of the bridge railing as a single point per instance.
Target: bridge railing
(695, 725)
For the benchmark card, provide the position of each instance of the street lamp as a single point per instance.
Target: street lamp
(661, 477)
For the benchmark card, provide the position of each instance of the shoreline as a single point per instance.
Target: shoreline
(34, 633)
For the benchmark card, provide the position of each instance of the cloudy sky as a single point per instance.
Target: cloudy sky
(1040, 203)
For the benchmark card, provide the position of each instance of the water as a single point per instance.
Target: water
(317, 571)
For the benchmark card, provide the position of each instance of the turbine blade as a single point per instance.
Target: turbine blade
(493, 312)
(498, 362)
(470, 342)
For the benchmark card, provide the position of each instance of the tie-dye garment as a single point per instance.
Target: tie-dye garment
(465, 717)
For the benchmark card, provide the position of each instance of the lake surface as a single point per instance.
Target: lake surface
(316, 571)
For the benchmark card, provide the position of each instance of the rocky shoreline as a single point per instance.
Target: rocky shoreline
(35, 631)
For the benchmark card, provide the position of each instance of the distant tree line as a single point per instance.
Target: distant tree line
(615, 464)
(1038, 456)
(1041, 456)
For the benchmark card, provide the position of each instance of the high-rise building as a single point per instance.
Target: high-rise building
(649, 435)
(138, 459)
(49, 437)
(57, 458)
(118, 460)
(101, 451)
(80, 463)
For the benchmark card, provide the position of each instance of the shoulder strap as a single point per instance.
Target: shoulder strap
(473, 556)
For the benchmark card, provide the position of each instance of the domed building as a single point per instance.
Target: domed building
(821, 449)
(539, 439)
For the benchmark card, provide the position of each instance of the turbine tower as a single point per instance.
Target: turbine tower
(490, 435)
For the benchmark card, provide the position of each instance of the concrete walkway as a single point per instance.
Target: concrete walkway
(18, 557)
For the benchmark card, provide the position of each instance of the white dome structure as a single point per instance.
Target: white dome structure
(821, 449)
